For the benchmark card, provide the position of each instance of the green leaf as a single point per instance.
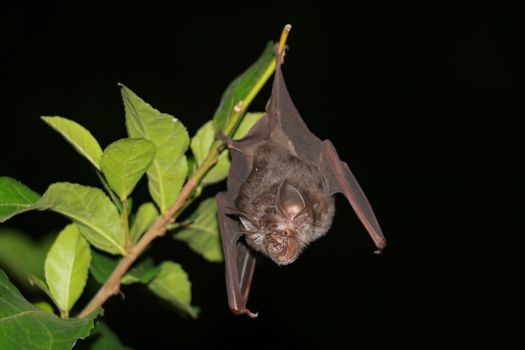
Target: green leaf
(124, 162)
(219, 171)
(21, 255)
(130, 206)
(201, 143)
(173, 285)
(239, 88)
(143, 272)
(200, 146)
(248, 121)
(44, 306)
(168, 171)
(97, 218)
(15, 198)
(102, 265)
(201, 231)
(103, 338)
(25, 326)
(78, 136)
(146, 216)
(66, 267)
(37, 282)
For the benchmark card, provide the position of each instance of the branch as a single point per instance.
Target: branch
(160, 226)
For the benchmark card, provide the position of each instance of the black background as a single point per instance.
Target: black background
(424, 100)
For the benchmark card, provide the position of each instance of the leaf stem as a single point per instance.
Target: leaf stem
(160, 226)
(124, 219)
(108, 189)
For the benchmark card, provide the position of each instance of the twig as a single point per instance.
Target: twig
(159, 227)
(112, 285)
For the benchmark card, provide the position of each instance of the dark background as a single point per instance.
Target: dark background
(424, 100)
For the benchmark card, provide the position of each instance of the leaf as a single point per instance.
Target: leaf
(200, 146)
(239, 88)
(202, 141)
(25, 326)
(248, 121)
(21, 255)
(172, 284)
(97, 218)
(103, 338)
(219, 171)
(66, 267)
(168, 171)
(15, 198)
(78, 136)
(143, 272)
(201, 233)
(102, 265)
(44, 306)
(146, 216)
(37, 282)
(124, 162)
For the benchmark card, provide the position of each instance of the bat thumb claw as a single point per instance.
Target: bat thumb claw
(378, 251)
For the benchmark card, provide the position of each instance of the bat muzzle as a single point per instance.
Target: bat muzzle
(281, 246)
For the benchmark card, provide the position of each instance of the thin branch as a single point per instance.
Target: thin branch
(112, 285)
(159, 227)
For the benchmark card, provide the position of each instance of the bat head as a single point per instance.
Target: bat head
(275, 237)
(285, 223)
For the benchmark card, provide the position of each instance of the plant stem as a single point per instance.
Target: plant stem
(160, 226)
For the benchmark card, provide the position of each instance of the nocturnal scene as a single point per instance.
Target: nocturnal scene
(271, 175)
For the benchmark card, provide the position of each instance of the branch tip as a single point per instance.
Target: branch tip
(284, 36)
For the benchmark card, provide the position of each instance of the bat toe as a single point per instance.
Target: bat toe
(244, 311)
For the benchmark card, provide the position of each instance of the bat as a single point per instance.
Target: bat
(280, 192)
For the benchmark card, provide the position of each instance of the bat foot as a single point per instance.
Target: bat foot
(244, 311)
(378, 251)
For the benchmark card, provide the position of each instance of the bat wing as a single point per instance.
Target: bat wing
(341, 180)
(281, 124)
(283, 117)
(239, 260)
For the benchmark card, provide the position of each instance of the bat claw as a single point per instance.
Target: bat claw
(251, 314)
(244, 311)
(225, 139)
(378, 251)
(228, 141)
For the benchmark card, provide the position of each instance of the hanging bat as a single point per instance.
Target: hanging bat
(279, 194)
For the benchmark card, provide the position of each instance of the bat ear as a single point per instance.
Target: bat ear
(289, 200)
(247, 224)
(243, 217)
